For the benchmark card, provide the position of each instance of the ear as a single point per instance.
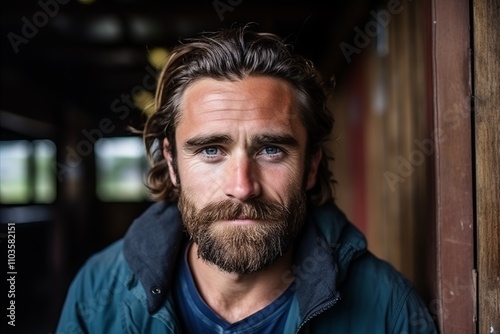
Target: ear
(168, 156)
(313, 169)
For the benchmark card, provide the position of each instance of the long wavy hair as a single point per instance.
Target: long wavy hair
(233, 54)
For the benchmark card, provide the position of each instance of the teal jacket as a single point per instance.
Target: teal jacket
(339, 286)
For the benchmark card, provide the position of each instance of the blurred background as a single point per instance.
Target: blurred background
(75, 75)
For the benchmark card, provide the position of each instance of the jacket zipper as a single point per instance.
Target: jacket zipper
(318, 312)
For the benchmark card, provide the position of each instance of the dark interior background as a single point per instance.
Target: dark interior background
(62, 66)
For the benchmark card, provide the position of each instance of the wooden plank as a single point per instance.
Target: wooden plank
(486, 21)
(407, 133)
(378, 224)
(424, 250)
(397, 177)
(453, 166)
(391, 240)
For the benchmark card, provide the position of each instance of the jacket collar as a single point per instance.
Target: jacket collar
(327, 245)
(151, 246)
(346, 242)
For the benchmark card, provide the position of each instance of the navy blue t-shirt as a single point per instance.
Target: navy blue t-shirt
(197, 317)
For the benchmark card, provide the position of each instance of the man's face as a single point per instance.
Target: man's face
(241, 158)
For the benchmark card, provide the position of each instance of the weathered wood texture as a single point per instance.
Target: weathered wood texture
(385, 146)
(453, 165)
(486, 36)
(396, 123)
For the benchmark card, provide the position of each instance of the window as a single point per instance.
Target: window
(26, 173)
(121, 169)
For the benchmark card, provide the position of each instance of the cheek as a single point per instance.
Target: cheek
(277, 182)
(200, 182)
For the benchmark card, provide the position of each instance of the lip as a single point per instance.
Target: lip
(242, 221)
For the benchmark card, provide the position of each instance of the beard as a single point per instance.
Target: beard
(244, 249)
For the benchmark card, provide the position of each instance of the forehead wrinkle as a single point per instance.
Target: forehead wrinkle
(236, 100)
(210, 103)
(228, 115)
(216, 95)
(205, 92)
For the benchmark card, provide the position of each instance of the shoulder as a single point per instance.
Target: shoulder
(370, 269)
(104, 274)
(97, 291)
(104, 265)
(374, 292)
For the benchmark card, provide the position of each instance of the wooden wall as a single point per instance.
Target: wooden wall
(384, 144)
(486, 36)
(451, 84)
(418, 154)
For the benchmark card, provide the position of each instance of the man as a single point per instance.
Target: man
(245, 237)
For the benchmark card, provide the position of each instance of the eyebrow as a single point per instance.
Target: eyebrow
(258, 140)
(207, 140)
(273, 139)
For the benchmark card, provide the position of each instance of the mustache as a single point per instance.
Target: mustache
(255, 209)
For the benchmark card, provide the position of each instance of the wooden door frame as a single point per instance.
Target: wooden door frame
(486, 111)
(464, 98)
(449, 92)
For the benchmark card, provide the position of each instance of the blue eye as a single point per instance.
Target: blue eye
(272, 150)
(211, 150)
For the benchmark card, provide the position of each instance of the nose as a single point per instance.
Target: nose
(241, 179)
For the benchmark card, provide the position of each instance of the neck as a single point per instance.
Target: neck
(233, 296)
